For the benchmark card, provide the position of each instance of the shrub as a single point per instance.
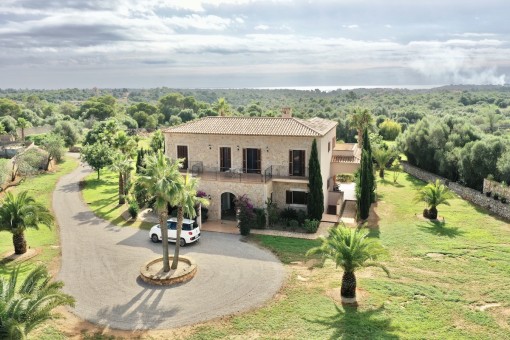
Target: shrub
(345, 178)
(37, 139)
(301, 216)
(311, 226)
(293, 225)
(426, 213)
(133, 209)
(246, 214)
(288, 214)
(503, 200)
(260, 218)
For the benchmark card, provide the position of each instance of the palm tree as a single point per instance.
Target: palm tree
(434, 194)
(360, 120)
(23, 124)
(123, 166)
(351, 250)
(163, 181)
(382, 158)
(186, 202)
(222, 107)
(17, 213)
(24, 305)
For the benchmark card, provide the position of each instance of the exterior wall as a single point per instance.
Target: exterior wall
(279, 194)
(257, 193)
(325, 160)
(341, 168)
(476, 197)
(274, 149)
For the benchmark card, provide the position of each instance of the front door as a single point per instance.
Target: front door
(252, 161)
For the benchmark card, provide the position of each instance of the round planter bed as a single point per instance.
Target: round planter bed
(152, 271)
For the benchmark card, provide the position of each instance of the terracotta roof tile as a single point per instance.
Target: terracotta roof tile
(256, 126)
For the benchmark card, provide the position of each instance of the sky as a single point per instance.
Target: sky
(247, 43)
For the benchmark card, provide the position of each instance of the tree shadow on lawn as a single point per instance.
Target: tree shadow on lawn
(385, 182)
(415, 182)
(439, 228)
(349, 323)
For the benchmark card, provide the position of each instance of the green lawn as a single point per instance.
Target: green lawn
(47, 240)
(102, 197)
(441, 276)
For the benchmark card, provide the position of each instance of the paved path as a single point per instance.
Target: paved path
(100, 266)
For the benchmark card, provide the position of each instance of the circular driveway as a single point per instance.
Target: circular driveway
(100, 267)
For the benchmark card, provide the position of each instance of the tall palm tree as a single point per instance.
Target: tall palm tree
(434, 194)
(25, 305)
(351, 250)
(186, 202)
(23, 124)
(360, 120)
(17, 213)
(123, 165)
(163, 181)
(222, 107)
(382, 158)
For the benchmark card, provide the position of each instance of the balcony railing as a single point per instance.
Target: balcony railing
(197, 169)
(282, 171)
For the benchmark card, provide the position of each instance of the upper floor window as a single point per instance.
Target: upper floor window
(296, 162)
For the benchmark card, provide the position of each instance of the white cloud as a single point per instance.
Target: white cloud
(350, 26)
(261, 27)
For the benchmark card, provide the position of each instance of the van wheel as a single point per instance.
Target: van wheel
(182, 243)
(155, 238)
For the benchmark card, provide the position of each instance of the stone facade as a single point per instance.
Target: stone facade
(256, 192)
(476, 197)
(279, 193)
(205, 148)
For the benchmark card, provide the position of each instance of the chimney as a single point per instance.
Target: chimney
(286, 112)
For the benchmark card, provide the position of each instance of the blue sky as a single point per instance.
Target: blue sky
(242, 43)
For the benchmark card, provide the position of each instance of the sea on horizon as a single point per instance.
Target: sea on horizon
(348, 87)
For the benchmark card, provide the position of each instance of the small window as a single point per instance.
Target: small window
(329, 146)
(172, 225)
(296, 197)
(186, 226)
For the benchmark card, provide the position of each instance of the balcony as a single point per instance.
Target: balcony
(273, 172)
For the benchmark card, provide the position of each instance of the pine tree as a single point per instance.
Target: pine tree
(315, 196)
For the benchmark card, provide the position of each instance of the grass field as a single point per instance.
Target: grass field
(448, 281)
(47, 240)
(102, 197)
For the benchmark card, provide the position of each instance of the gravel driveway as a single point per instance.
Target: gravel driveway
(100, 267)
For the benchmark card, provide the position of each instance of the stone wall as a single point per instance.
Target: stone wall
(476, 197)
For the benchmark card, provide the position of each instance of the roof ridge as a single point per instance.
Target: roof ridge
(301, 121)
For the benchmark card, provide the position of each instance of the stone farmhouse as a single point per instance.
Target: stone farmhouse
(262, 157)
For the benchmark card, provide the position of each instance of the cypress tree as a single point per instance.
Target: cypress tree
(315, 204)
(372, 184)
(364, 197)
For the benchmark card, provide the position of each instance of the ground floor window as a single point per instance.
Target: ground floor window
(296, 197)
